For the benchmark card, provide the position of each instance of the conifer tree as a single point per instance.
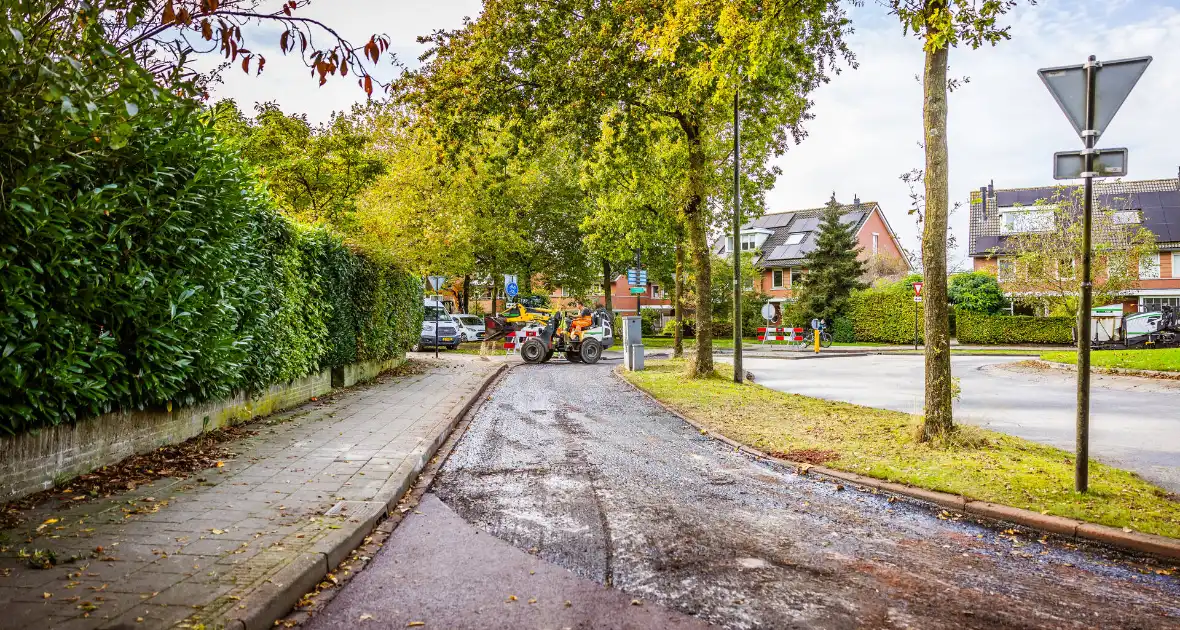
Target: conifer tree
(833, 267)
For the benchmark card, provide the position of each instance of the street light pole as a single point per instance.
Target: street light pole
(1082, 456)
(737, 249)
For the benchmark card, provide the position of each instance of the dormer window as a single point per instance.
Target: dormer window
(750, 241)
(794, 238)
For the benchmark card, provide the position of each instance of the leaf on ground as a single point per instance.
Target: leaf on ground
(365, 617)
(217, 532)
(415, 624)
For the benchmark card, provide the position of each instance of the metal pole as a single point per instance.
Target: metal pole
(916, 324)
(737, 249)
(1082, 456)
(436, 322)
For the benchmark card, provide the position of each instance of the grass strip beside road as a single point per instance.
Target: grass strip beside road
(980, 464)
(1163, 359)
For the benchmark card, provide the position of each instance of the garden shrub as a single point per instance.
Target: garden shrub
(842, 330)
(980, 328)
(650, 321)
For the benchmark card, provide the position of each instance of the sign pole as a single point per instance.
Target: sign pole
(1082, 456)
(435, 320)
(737, 249)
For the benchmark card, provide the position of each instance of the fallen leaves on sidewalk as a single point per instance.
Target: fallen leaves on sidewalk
(205, 451)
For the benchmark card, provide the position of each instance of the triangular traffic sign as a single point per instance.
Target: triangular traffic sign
(1113, 81)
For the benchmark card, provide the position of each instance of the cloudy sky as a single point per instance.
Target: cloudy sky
(1004, 125)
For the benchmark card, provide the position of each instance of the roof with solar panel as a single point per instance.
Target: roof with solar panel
(793, 233)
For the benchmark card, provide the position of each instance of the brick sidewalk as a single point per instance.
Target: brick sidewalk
(230, 547)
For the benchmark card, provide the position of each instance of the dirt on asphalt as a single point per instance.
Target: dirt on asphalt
(567, 463)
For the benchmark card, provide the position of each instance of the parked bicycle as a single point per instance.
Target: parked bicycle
(825, 340)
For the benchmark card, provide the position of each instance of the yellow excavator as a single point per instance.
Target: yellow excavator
(581, 337)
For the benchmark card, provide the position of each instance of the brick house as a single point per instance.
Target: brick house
(1154, 204)
(782, 241)
(655, 297)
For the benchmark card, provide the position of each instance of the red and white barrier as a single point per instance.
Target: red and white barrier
(780, 334)
(514, 339)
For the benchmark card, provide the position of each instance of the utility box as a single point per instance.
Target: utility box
(633, 342)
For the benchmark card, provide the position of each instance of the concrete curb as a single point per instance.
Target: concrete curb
(1070, 367)
(1125, 540)
(279, 594)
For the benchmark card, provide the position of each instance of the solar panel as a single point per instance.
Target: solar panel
(778, 253)
(851, 217)
(805, 225)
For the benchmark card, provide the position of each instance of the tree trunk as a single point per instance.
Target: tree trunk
(607, 286)
(938, 420)
(466, 293)
(495, 287)
(677, 299)
(696, 218)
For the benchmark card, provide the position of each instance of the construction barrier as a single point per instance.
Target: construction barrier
(511, 340)
(780, 334)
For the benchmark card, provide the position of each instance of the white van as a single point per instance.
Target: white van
(447, 333)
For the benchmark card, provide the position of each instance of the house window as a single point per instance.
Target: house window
(656, 292)
(796, 275)
(794, 238)
(875, 237)
(1126, 217)
(1148, 304)
(1149, 267)
(1023, 220)
(1005, 269)
(776, 279)
(1066, 269)
(1176, 265)
(749, 242)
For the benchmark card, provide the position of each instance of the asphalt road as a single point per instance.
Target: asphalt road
(570, 471)
(1134, 422)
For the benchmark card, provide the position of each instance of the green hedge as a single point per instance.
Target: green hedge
(1003, 329)
(882, 316)
(140, 264)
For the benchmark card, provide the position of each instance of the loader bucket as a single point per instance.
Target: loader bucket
(496, 327)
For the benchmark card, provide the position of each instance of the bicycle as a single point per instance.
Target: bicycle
(825, 340)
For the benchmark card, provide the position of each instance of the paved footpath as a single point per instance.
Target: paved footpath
(234, 546)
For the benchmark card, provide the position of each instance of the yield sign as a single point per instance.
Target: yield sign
(1113, 81)
(917, 289)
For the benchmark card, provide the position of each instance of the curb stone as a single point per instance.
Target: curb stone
(279, 594)
(1126, 540)
(1070, 367)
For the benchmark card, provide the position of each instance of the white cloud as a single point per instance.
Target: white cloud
(1003, 125)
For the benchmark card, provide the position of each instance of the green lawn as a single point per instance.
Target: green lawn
(978, 464)
(977, 351)
(727, 343)
(1166, 359)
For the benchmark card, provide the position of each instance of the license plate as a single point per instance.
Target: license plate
(448, 338)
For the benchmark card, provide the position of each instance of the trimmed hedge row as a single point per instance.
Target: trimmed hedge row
(140, 265)
(1001, 329)
(882, 316)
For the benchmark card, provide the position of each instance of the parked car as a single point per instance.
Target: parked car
(447, 334)
(471, 327)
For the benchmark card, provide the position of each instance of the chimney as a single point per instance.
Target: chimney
(856, 202)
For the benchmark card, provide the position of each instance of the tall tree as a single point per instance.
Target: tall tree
(941, 25)
(833, 268)
(314, 172)
(672, 61)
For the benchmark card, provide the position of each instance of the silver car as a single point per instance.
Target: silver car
(471, 327)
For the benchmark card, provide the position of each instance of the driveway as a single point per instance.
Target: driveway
(1134, 422)
(565, 477)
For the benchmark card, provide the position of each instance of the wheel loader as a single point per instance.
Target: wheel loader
(581, 337)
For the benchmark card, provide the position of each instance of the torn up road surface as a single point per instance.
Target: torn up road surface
(567, 464)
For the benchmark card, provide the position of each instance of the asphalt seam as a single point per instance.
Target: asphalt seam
(262, 609)
(1151, 544)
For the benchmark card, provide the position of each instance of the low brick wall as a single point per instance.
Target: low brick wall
(33, 461)
(350, 375)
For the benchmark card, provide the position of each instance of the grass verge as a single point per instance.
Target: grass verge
(976, 463)
(1164, 359)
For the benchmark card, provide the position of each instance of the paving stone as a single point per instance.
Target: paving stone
(304, 465)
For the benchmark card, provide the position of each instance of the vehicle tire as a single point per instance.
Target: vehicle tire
(573, 357)
(825, 340)
(533, 350)
(454, 347)
(591, 351)
(548, 355)
(416, 348)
